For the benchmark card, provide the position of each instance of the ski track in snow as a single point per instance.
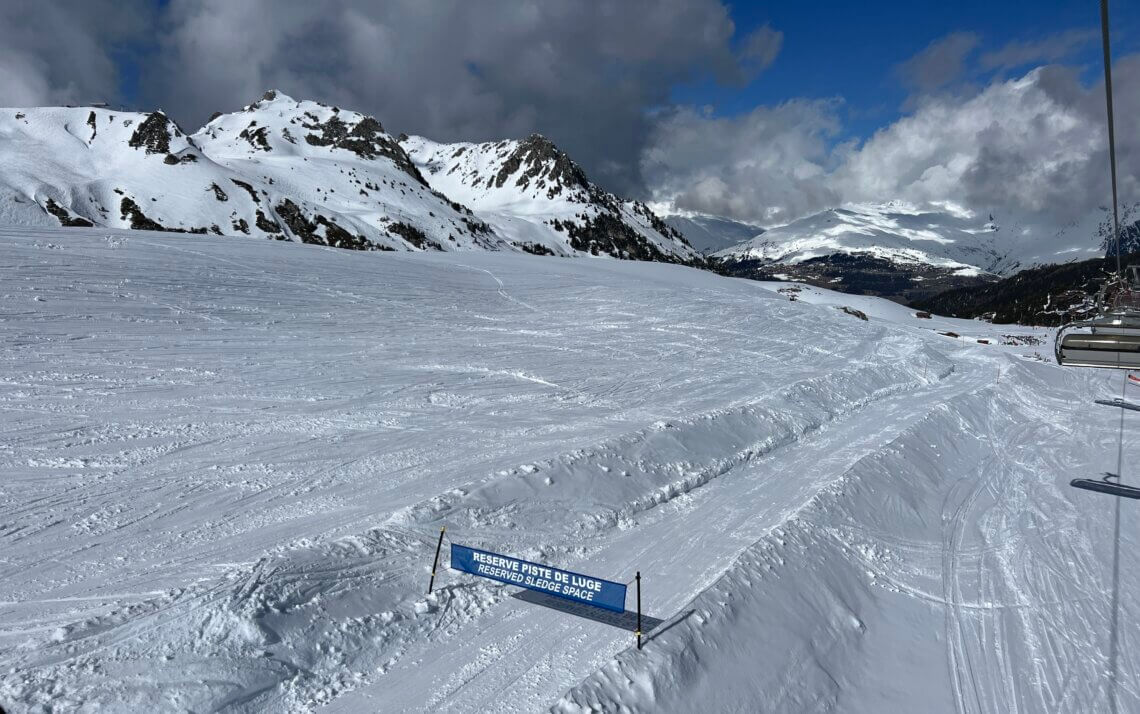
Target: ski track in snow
(502, 288)
(225, 464)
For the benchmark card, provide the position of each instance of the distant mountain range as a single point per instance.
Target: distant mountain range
(286, 169)
(301, 170)
(913, 253)
(706, 232)
(896, 232)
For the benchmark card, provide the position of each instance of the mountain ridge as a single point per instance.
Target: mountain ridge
(296, 170)
(536, 196)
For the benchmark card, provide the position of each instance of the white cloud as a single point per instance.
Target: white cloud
(23, 79)
(765, 165)
(1031, 149)
(1033, 146)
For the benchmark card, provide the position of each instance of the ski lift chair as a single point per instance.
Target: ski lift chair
(1110, 340)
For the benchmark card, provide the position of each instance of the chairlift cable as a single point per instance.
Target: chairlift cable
(1114, 637)
(1111, 130)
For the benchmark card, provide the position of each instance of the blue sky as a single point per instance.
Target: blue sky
(852, 50)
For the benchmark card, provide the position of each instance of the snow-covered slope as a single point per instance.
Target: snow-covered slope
(225, 464)
(534, 194)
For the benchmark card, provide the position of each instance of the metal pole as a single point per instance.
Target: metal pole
(435, 563)
(639, 609)
(1114, 640)
(1111, 132)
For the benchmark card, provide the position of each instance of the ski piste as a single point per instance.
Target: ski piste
(793, 481)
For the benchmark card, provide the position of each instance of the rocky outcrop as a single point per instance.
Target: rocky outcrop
(307, 230)
(544, 164)
(605, 233)
(153, 134)
(140, 222)
(366, 139)
(413, 236)
(256, 136)
(64, 216)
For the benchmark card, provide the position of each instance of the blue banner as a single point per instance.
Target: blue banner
(542, 578)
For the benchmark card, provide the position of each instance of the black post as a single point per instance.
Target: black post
(639, 609)
(435, 563)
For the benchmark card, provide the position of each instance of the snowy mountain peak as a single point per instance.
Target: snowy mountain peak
(533, 168)
(154, 134)
(538, 198)
(279, 124)
(270, 96)
(537, 159)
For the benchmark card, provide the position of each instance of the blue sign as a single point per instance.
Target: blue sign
(543, 578)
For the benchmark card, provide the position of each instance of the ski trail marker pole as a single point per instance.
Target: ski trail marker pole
(639, 609)
(435, 563)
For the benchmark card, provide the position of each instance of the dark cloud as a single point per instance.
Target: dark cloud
(941, 63)
(587, 74)
(583, 73)
(62, 52)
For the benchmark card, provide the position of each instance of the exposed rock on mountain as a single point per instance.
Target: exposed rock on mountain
(535, 196)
